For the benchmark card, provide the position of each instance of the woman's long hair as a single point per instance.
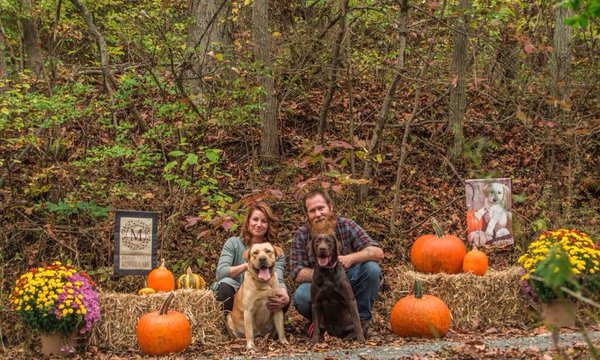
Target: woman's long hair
(272, 230)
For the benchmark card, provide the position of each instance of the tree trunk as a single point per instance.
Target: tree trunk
(333, 68)
(3, 68)
(31, 39)
(110, 81)
(403, 147)
(385, 107)
(559, 69)
(7, 50)
(350, 100)
(505, 67)
(207, 32)
(52, 47)
(458, 95)
(269, 139)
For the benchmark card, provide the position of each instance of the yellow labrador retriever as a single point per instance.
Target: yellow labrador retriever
(250, 317)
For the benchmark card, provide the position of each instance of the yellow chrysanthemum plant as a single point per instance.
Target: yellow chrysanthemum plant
(56, 298)
(558, 260)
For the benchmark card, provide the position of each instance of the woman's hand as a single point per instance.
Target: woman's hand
(236, 270)
(278, 300)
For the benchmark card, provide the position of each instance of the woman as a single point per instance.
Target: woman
(260, 225)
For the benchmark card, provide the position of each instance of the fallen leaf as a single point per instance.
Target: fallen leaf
(191, 221)
(529, 48)
(227, 224)
(203, 235)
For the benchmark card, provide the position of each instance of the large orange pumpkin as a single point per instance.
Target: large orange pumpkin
(420, 315)
(161, 279)
(475, 262)
(164, 332)
(435, 253)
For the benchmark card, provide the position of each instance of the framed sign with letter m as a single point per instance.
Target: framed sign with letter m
(135, 242)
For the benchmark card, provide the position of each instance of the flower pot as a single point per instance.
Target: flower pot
(559, 313)
(55, 343)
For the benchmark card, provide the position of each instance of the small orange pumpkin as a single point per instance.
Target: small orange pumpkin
(420, 315)
(163, 332)
(435, 253)
(161, 279)
(475, 262)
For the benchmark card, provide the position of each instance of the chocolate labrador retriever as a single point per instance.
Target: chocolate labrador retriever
(334, 307)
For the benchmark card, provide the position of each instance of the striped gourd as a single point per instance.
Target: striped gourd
(189, 280)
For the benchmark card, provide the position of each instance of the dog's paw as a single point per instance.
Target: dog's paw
(479, 214)
(284, 341)
(502, 232)
(250, 346)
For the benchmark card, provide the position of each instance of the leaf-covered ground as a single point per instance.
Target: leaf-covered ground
(493, 343)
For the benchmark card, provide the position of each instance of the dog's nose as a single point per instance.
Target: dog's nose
(262, 259)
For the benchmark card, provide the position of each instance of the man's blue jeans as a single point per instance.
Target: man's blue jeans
(365, 279)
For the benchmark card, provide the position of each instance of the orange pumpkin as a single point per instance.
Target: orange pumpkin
(164, 332)
(472, 223)
(420, 315)
(161, 279)
(475, 262)
(438, 253)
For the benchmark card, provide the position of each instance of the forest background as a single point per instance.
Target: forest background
(195, 109)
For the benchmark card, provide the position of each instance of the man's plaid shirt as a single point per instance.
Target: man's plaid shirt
(353, 238)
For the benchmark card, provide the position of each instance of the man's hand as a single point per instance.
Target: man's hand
(278, 300)
(346, 261)
(370, 253)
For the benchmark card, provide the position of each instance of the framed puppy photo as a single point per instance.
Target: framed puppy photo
(489, 216)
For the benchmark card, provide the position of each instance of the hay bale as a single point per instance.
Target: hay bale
(475, 302)
(120, 312)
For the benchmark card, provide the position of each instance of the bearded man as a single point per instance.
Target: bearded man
(360, 256)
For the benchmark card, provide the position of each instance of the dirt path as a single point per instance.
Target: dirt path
(531, 347)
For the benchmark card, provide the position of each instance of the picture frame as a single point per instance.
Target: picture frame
(489, 211)
(135, 242)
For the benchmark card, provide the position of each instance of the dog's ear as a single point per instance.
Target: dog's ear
(247, 253)
(505, 190)
(486, 189)
(337, 250)
(278, 251)
(309, 246)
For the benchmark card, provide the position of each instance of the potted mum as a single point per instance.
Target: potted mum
(560, 265)
(58, 301)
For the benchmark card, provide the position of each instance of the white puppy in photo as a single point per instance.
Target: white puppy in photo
(494, 212)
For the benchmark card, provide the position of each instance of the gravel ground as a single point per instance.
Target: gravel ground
(541, 342)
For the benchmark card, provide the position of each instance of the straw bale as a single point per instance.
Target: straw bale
(120, 313)
(475, 302)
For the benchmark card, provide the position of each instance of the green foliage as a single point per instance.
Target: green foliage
(474, 150)
(198, 171)
(553, 273)
(555, 268)
(64, 210)
(585, 10)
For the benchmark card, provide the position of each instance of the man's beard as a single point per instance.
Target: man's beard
(324, 226)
